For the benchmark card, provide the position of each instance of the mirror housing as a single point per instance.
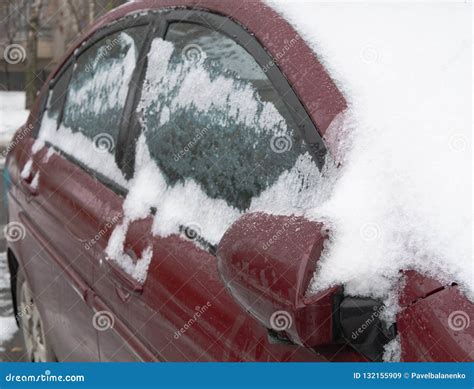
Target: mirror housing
(267, 263)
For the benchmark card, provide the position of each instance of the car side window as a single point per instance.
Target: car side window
(99, 84)
(210, 114)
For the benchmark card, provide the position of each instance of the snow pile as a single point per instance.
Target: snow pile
(186, 204)
(393, 351)
(138, 269)
(403, 198)
(12, 114)
(183, 204)
(8, 325)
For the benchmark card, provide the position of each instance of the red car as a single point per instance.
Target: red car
(113, 261)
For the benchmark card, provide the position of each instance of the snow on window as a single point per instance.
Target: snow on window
(403, 197)
(99, 86)
(186, 204)
(94, 103)
(81, 148)
(181, 204)
(207, 108)
(172, 85)
(217, 125)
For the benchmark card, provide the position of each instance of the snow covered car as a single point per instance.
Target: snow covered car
(160, 203)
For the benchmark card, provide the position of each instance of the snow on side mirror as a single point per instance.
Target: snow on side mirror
(267, 263)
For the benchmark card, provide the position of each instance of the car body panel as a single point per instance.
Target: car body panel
(438, 328)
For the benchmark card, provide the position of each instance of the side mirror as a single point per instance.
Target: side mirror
(267, 263)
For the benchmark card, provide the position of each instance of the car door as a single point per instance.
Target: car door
(210, 139)
(79, 164)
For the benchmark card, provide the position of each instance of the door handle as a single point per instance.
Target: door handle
(125, 282)
(28, 185)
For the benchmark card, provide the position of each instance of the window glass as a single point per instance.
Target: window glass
(99, 84)
(210, 114)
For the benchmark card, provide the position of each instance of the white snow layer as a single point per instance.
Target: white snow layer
(403, 196)
(203, 92)
(8, 325)
(109, 85)
(81, 148)
(393, 351)
(12, 114)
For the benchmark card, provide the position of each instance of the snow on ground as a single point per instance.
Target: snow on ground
(8, 325)
(12, 114)
(403, 197)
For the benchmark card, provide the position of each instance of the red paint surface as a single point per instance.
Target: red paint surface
(438, 328)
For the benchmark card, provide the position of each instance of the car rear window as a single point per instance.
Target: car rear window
(99, 84)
